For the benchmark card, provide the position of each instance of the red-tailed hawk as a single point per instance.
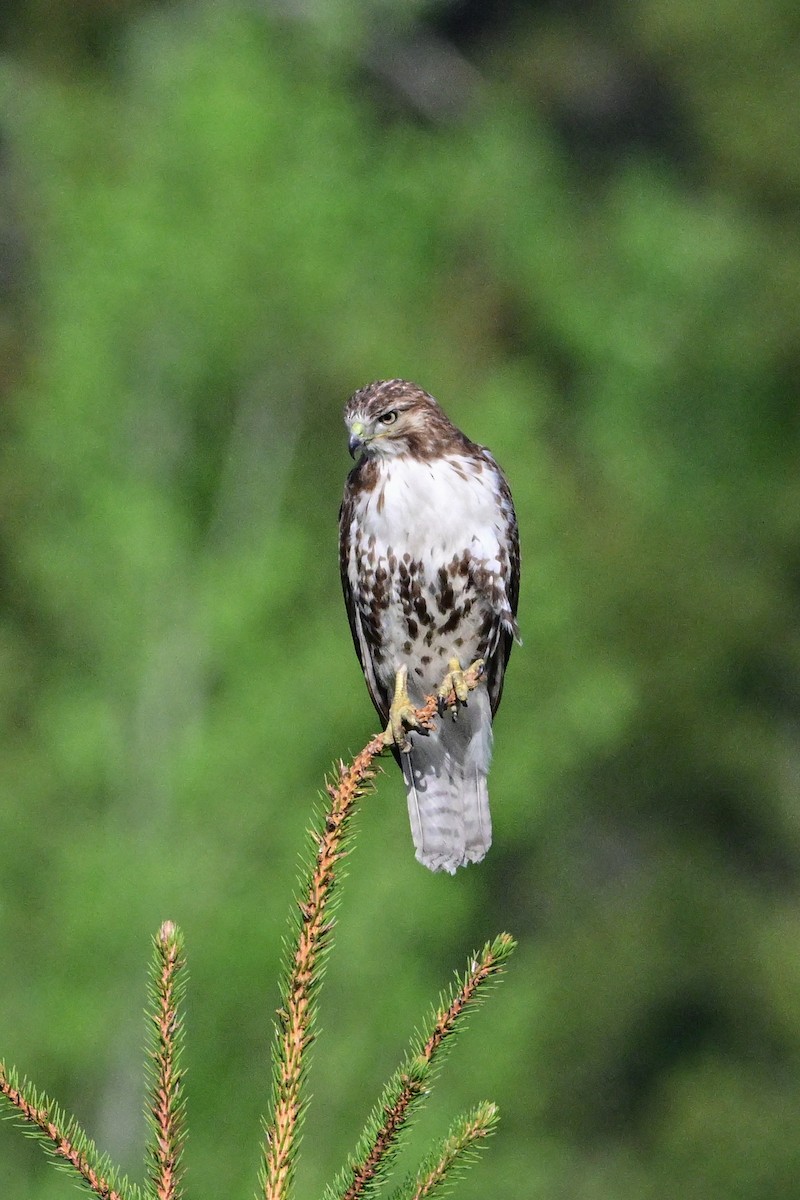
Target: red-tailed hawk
(429, 555)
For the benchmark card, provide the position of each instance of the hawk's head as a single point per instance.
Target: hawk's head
(394, 417)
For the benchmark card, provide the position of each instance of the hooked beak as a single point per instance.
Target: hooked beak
(356, 440)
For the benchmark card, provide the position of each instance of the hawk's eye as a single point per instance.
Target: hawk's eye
(388, 418)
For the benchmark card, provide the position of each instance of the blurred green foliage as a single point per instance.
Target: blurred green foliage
(577, 226)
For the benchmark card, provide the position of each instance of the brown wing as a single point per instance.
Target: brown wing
(505, 630)
(379, 699)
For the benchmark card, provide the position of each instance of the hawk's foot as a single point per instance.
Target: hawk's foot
(457, 684)
(402, 715)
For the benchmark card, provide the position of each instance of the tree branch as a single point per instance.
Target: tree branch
(65, 1141)
(412, 1081)
(166, 1094)
(296, 1016)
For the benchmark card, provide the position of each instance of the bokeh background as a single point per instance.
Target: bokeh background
(576, 224)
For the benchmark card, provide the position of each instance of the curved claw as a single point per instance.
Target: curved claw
(402, 715)
(457, 685)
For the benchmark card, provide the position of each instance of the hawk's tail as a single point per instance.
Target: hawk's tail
(448, 798)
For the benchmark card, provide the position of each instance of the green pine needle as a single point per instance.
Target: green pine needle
(389, 1121)
(63, 1139)
(165, 1112)
(455, 1153)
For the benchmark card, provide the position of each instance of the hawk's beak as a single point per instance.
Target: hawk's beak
(356, 440)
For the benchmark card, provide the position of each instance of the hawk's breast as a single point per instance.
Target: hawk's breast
(427, 559)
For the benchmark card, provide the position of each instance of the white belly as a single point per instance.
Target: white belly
(424, 564)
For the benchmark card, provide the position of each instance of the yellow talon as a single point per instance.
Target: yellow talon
(402, 715)
(457, 684)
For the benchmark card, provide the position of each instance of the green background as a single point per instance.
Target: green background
(577, 225)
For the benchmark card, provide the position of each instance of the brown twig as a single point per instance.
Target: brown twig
(295, 1018)
(492, 956)
(166, 1098)
(394, 1116)
(61, 1143)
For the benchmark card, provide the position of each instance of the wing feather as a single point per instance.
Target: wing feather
(505, 629)
(362, 648)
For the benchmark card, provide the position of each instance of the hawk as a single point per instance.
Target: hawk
(429, 556)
